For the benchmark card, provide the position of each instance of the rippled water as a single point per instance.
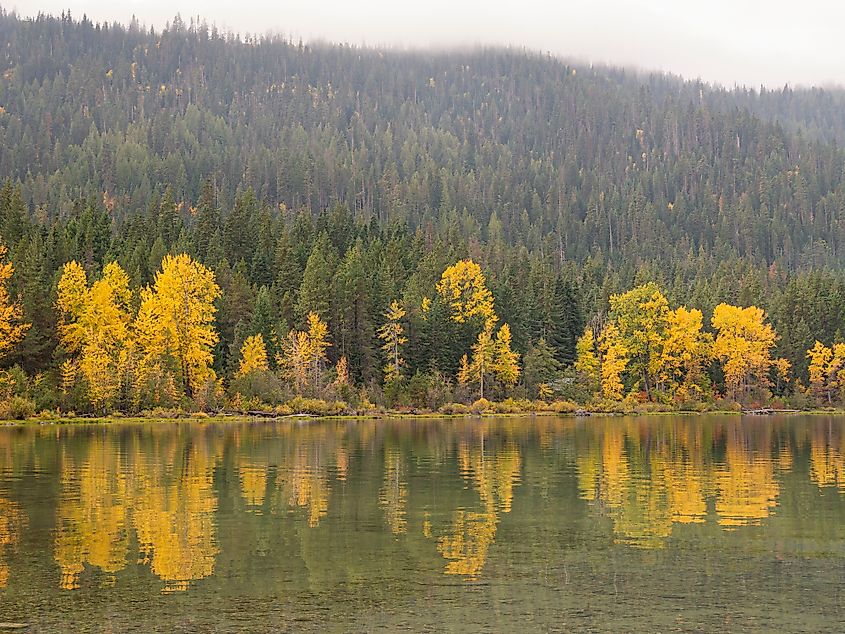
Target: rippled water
(616, 525)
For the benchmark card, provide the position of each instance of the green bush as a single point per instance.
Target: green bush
(260, 386)
(17, 408)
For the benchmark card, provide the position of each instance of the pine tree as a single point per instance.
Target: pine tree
(315, 292)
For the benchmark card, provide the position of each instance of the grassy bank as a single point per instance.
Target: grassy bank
(314, 409)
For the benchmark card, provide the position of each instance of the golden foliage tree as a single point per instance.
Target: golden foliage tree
(827, 370)
(176, 321)
(253, 356)
(743, 344)
(586, 361)
(294, 358)
(505, 360)
(392, 334)
(94, 328)
(641, 319)
(304, 351)
(614, 361)
(483, 351)
(318, 342)
(490, 356)
(464, 289)
(12, 329)
(686, 350)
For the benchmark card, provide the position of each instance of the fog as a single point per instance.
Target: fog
(750, 42)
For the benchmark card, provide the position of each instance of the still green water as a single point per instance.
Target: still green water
(601, 524)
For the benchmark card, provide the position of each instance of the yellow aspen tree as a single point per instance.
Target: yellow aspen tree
(464, 289)
(318, 342)
(586, 361)
(505, 360)
(743, 344)
(827, 370)
(781, 367)
(154, 376)
(483, 352)
(342, 372)
(837, 369)
(71, 299)
(253, 356)
(178, 313)
(820, 357)
(641, 317)
(464, 371)
(614, 361)
(294, 358)
(392, 334)
(12, 329)
(686, 350)
(94, 328)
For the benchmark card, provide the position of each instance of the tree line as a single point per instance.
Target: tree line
(126, 348)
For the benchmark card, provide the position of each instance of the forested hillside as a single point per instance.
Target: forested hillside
(332, 179)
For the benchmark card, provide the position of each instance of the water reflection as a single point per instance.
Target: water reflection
(11, 524)
(154, 497)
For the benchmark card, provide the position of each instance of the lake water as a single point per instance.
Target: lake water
(602, 524)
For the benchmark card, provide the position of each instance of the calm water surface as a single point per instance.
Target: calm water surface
(612, 525)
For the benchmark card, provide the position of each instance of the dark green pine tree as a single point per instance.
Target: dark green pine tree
(240, 233)
(316, 288)
(34, 284)
(14, 217)
(264, 319)
(207, 220)
(539, 366)
(352, 328)
(567, 320)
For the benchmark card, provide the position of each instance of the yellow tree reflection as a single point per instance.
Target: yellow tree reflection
(175, 516)
(12, 523)
(394, 491)
(92, 518)
(827, 466)
(747, 489)
(471, 533)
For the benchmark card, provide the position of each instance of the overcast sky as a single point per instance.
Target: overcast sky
(752, 42)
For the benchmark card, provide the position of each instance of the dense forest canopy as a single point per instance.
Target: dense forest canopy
(333, 179)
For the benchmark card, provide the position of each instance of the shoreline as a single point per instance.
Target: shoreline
(303, 417)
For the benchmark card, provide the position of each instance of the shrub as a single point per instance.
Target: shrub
(564, 407)
(453, 409)
(17, 408)
(480, 406)
(260, 386)
(164, 412)
(726, 405)
(650, 407)
(514, 406)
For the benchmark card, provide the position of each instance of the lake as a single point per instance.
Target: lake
(668, 523)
